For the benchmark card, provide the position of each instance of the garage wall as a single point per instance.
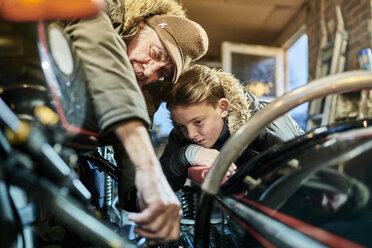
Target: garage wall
(358, 22)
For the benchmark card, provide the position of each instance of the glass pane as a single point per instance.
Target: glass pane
(298, 76)
(256, 72)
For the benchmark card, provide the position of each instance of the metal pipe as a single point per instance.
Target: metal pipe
(277, 233)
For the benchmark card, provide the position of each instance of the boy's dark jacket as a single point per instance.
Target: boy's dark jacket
(173, 159)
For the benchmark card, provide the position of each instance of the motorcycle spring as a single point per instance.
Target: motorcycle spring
(108, 191)
(188, 201)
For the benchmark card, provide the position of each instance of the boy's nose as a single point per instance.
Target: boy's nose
(192, 133)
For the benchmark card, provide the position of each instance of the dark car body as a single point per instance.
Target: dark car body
(312, 190)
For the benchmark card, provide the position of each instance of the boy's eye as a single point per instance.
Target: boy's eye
(197, 123)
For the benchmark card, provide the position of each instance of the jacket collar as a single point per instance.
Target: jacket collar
(223, 136)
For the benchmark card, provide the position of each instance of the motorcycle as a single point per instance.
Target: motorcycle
(42, 133)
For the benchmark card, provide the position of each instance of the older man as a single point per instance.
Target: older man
(132, 44)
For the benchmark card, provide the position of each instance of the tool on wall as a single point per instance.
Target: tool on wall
(331, 60)
(337, 66)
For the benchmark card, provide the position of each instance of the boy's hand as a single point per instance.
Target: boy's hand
(206, 157)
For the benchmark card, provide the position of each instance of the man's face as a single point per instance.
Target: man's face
(325, 202)
(201, 123)
(149, 58)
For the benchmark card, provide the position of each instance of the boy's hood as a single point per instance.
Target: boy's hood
(242, 103)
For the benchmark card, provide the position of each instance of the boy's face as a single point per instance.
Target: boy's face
(201, 123)
(149, 58)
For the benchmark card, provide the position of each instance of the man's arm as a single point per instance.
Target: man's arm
(161, 210)
(116, 96)
(111, 83)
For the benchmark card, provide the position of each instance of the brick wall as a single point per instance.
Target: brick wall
(358, 23)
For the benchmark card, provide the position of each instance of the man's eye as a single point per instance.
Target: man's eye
(162, 73)
(155, 54)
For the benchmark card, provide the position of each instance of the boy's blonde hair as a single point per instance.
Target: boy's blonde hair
(196, 84)
(200, 83)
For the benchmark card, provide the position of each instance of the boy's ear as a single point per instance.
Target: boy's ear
(225, 106)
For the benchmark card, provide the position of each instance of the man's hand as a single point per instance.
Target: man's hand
(161, 210)
(206, 157)
(160, 218)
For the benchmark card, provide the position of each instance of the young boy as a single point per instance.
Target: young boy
(207, 106)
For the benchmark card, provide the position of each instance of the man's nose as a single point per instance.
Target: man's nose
(151, 68)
